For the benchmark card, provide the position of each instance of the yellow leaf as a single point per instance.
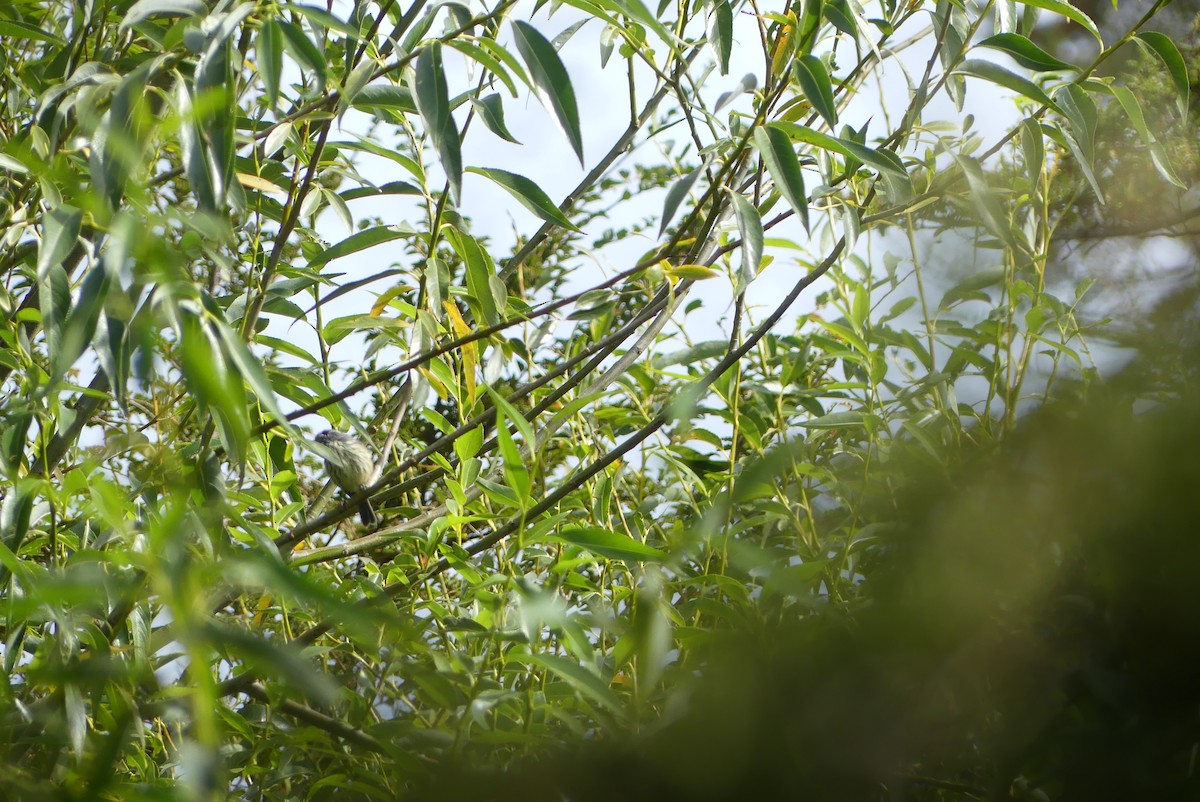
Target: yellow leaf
(470, 356)
(259, 183)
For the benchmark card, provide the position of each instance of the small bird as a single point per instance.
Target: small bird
(353, 469)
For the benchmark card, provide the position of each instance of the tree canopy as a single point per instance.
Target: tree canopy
(749, 414)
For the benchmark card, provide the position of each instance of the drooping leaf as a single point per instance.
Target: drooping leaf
(269, 47)
(145, 9)
(1158, 155)
(750, 229)
(607, 543)
(1164, 47)
(814, 80)
(1069, 11)
(779, 156)
(551, 82)
(990, 71)
(360, 241)
(491, 111)
(1025, 52)
(528, 193)
(720, 33)
(675, 195)
(433, 102)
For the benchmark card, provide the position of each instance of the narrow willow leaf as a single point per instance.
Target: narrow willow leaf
(433, 103)
(1082, 158)
(1033, 147)
(145, 9)
(248, 366)
(881, 159)
(987, 205)
(1163, 47)
(814, 81)
(480, 269)
(1069, 11)
(490, 62)
(491, 111)
(60, 230)
(360, 241)
(750, 229)
(528, 193)
(990, 71)
(1025, 52)
(550, 81)
(720, 33)
(323, 18)
(1080, 111)
(15, 30)
(354, 84)
(607, 543)
(675, 195)
(296, 42)
(270, 59)
(779, 156)
(80, 323)
(1133, 110)
(577, 677)
(747, 84)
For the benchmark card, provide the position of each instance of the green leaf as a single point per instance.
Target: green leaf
(550, 81)
(1133, 110)
(16, 30)
(1033, 147)
(576, 676)
(1025, 52)
(296, 42)
(1068, 11)
(607, 543)
(479, 274)
(433, 103)
(836, 420)
(750, 229)
(720, 33)
(489, 61)
(324, 19)
(385, 96)
(144, 9)
(1163, 47)
(360, 241)
(675, 195)
(780, 158)
(814, 80)
(247, 364)
(528, 193)
(270, 59)
(881, 159)
(60, 231)
(990, 71)
(491, 111)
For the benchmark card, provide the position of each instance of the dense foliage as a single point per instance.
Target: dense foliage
(697, 409)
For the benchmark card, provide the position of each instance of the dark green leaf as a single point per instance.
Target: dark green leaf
(269, 47)
(814, 80)
(1025, 52)
(779, 156)
(1164, 47)
(434, 104)
(360, 241)
(993, 72)
(491, 111)
(550, 81)
(296, 42)
(528, 193)
(1068, 11)
(607, 543)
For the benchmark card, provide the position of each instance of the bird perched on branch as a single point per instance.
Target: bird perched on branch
(352, 469)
